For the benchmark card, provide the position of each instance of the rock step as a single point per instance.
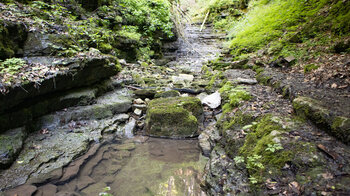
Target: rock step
(25, 102)
(327, 108)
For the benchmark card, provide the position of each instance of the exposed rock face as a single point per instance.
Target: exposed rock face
(25, 190)
(10, 145)
(38, 44)
(176, 117)
(79, 73)
(62, 136)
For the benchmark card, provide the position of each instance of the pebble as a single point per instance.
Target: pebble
(139, 101)
(138, 112)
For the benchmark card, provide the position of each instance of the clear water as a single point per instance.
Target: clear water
(154, 167)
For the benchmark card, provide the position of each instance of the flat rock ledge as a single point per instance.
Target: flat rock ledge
(41, 99)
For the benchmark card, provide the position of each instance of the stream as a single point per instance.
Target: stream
(144, 165)
(101, 148)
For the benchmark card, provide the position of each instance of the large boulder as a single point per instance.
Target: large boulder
(174, 117)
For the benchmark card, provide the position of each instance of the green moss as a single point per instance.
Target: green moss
(12, 36)
(206, 71)
(214, 81)
(309, 67)
(263, 79)
(138, 79)
(258, 69)
(165, 94)
(118, 66)
(311, 109)
(341, 128)
(174, 117)
(239, 120)
(233, 96)
(105, 47)
(338, 122)
(256, 144)
(286, 91)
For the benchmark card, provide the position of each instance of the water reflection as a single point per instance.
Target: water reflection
(155, 167)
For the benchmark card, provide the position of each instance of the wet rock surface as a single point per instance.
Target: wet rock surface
(255, 142)
(11, 144)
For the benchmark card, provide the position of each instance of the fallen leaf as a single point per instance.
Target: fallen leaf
(327, 176)
(334, 155)
(271, 184)
(295, 187)
(44, 131)
(334, 85)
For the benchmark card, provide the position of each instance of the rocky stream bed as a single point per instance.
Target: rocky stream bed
(167, 129)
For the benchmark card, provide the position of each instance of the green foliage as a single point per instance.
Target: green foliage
(130, 32)
(310, 67)
(233, 96)
(260, 150)
(253, 180)
(12, 65)
(126, 28)
(274, 147)
(239, 159)
(151, 16)
(223, 12)
(253, 162)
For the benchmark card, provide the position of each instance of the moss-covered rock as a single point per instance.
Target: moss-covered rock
(338, 126)
(165, 94)
(145, 93)
(10, 145)
(176, 117)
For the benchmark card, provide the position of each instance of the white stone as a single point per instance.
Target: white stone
(274, 133)
(276, 140)
(121, 117)
(213, 100)
(202, 96)
(139, 101)
(182, 78)
(246, 81)
(138, 112)
(184, 95)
